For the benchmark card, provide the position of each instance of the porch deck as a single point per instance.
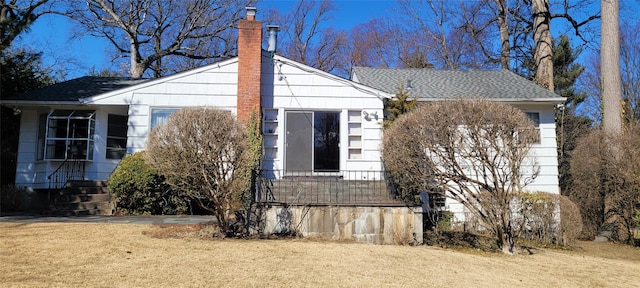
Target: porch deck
(343, 188)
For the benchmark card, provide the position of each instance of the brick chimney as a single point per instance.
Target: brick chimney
(249, 66)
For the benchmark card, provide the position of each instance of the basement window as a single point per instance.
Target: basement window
(69, 135)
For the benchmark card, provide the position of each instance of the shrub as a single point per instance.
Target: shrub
(475, 152)
(139, 189)
(201, 151)
(10, 197)
(550, 218)
(606, 185)
(570, 220)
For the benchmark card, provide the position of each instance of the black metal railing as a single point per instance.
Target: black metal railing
(324, 188)
(69, 169)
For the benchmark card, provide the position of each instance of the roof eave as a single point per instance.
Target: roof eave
(39, 103)
(555, 100)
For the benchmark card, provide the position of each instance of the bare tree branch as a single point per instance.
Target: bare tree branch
(149, 31)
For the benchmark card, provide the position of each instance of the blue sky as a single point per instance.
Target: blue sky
(54, 35)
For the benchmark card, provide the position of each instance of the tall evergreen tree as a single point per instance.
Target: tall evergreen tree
(565, 71)
(21, 71)
(398, 105)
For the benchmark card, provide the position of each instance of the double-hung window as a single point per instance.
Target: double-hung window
(116, 137)
(69, 134)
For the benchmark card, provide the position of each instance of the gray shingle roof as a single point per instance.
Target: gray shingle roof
(75, 89)
(454, 84)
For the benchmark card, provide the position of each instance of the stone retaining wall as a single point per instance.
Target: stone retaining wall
(377, 225)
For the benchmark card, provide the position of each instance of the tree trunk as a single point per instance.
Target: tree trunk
(504, 34)
(543, 54)
(137, 68)
(610, 68)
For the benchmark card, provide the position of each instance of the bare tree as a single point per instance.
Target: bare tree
(305, 39)
(199, 151)
(17, 15)
(151, 31)
(435, 28)
(475, 152)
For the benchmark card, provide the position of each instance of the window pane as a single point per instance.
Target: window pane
(116, 148)
(159, 116)
(78, 149)
(56, 149)
(42, 131)
(117, 137)
(326, 141)
(79, 128)
(57, 128)
(117, 126)
(90, 150)
(534, 117)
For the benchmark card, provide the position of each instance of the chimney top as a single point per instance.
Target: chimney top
(251, 13)
(273, 36)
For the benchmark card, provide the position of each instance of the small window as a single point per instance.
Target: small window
(159, 116)
(117, 137)
(535, 118)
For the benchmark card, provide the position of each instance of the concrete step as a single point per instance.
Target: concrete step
(83, 197)
(86, 183)
(77, 212)
(84, 190)
(75, 198)
(85, 206)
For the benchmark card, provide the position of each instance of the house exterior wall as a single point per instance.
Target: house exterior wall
(544, 153)
(288, 86)
(33, 173)
(285, 86)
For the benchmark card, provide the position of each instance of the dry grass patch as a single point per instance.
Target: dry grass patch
(178, 231)
(124, 255)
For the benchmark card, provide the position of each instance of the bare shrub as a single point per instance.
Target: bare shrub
(550, 218)
(606, 182)
(199, 151)
(570, 220)
(403, 235)
(541, 212)
(473, 151)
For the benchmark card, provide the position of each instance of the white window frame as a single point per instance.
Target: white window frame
(72, 139)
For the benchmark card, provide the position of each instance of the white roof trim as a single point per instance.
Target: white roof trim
(363, 88)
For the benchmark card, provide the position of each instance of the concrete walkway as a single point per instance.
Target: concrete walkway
(142, 220)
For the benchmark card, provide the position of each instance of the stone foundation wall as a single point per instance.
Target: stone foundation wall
(377, 225)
